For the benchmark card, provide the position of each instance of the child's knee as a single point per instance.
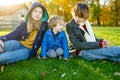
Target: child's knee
(59, 51)
(52, 53)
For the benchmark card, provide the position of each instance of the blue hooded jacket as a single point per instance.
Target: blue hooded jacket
(51, 43)
(20, 33)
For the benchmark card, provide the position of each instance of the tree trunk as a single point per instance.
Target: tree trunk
(98, 21)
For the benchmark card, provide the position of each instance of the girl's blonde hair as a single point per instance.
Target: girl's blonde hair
(32, 24)
(81, 10)
(53, 21)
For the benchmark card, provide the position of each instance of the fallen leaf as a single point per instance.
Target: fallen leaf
(74, 73)
(117, 74)
(54, 70)
(2, 68)
(43, 74)
(103, 62)
(63, 75)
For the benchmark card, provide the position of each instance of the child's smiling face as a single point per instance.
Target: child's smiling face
(37, 13)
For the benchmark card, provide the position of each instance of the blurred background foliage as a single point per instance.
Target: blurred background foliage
(103, 12)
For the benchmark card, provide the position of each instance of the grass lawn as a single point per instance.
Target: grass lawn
(75, 69)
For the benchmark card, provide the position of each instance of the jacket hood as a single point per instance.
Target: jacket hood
(45, 13)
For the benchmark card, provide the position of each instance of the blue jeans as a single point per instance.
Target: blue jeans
(110, 53)
(13, 52)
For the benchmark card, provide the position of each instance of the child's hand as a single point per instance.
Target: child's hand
(1, 50)
(39, 57)
(1, 43)
(105, 43)
(66, 59)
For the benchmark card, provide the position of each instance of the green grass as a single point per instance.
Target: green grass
(109, 33)
(35, 69)
(5, 31)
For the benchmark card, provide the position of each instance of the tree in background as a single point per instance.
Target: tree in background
(96, 11)
(105, 16)
(115, 10)
(105, 13)
(60, 7)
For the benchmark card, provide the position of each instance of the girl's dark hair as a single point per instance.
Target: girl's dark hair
(81, 10)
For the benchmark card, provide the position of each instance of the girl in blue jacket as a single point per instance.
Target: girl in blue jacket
(25, 40)
(55, 43)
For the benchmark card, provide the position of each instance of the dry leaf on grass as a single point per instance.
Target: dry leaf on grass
(63, 75)
(103, 62)
(74, 73)
(43, 74)
(54, 70)
(2, 68)
(117, 74)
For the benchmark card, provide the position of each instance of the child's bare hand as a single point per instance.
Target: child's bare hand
(1, 50)
(41, 58)
(1, 43)
(106, 43)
